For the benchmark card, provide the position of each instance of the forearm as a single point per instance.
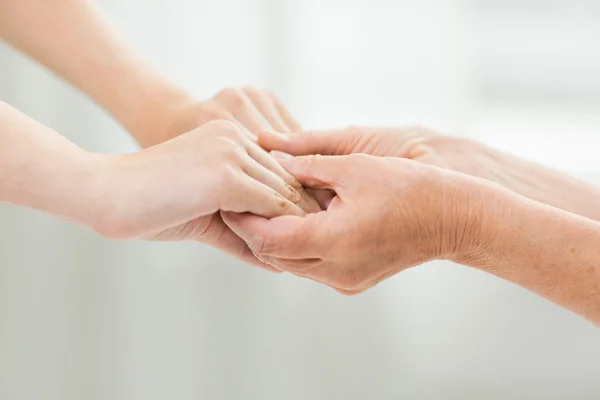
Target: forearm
(42, 170)
(72, 38)
(527, 178)
(559, 190)
(546, 250)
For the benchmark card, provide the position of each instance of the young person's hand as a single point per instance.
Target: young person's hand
(174, 191)
(253, 110)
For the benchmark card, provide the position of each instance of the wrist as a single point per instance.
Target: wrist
(475, 230)
(159, 117)
(111, 189)
(95, 187)
(68, 188)
(490, 213)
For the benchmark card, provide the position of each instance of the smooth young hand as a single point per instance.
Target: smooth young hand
(174, 191)
(251, 109)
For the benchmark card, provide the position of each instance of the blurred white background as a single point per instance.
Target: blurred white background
(86, 318)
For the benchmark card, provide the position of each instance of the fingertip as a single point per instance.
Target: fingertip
(271, 140)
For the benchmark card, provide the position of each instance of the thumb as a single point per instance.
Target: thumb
(317, 172)
(334, 142)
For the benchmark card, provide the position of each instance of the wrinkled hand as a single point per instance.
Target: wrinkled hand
(416, 143)
(174, 191)
(388, 214)
(458, 154)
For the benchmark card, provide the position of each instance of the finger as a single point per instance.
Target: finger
(250, 195)
(253, 137)
(267, 108)
(336, 142)
(211, 111)
(318, 172)
(220, 236)
(244, 111)
(280, 155)
(289, 237)
(264, 175)
(286, 116)
(305, 200)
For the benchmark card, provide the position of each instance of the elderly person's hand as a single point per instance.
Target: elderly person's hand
(458, 154)
(388, 214)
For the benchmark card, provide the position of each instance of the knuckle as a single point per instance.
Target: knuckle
(312, 159)
(231, 96)
(252, 92)
(310, 164)
(308, 136)
(296, 185)
(295, 195)
(228, 129)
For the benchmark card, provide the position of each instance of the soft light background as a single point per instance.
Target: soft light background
(86, 318)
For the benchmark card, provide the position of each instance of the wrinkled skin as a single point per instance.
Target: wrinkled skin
(388, 214)
(458, 154)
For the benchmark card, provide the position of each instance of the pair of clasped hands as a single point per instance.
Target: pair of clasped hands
(346, 208)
